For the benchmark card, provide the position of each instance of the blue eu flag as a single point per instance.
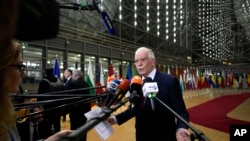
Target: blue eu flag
(56, 70)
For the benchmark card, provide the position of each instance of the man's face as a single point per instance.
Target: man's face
(143, 63)
(66, 74)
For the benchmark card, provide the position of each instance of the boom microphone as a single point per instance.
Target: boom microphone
(105, 18)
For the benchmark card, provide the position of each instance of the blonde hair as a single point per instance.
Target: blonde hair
(8, 55)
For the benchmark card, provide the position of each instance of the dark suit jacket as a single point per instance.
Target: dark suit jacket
(77, 111)
(67, 83)
(53, 115)
(158, 125)
(43, 129)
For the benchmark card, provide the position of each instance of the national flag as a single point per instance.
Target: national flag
(135, 71)
(119, 75)
(176, 71)
(207, 82)
(244, 82)
(99, 79)
(111, 75)
(158, 68)
(56, 69)
(164, 69)
(168, 70)
(213, 79)
(111, 70)
(172, 71)
(195, 81)
(90, 78)
(248, 79)
(235, 82)
(181, 83)
(129, 73)
(199, 82)
(224, 77)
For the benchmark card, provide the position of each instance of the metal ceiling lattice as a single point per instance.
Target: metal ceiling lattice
(227, 21)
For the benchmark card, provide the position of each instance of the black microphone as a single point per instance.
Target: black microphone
(150, 89)
(105, 18)
(135, 89)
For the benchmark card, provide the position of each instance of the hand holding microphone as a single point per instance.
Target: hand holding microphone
(150, 89)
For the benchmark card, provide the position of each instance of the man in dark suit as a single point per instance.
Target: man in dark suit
(159, 124)
(36, 125)
(45, 88)
(76, 114)
(67, 75)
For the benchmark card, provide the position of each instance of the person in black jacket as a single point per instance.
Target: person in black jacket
(45, 88)
(76, 113)
(26, 129)
(159, 124)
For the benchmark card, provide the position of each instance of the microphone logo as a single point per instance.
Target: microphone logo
(149, 87)
(113, 86)
(152, 87)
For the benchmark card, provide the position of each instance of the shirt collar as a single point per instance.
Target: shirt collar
(151, 74)
(69, 78)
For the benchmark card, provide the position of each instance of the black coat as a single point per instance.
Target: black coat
(158, 124)
(77, 111)
(43, 129)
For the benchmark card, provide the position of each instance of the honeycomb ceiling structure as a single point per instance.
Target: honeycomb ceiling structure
(195, 32)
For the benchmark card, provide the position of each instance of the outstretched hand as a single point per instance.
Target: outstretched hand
(182, 134)
(111, 120)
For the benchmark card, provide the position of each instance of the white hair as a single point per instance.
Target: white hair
(148, 50)
(77, 73)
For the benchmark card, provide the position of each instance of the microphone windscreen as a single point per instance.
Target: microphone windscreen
(124, 85)
(122, 90)
(136, 84)
(107, 23)
(136, 80)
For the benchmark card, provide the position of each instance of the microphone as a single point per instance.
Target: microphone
(112, 86)
(105, 18)
(135, 88)
(150, 89)
(122, 90)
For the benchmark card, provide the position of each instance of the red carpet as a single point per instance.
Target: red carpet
(212, 114)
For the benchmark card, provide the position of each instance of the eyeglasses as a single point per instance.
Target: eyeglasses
(21, 67)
